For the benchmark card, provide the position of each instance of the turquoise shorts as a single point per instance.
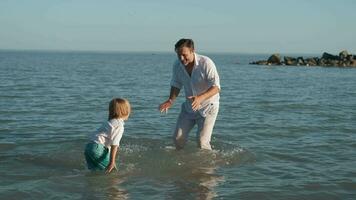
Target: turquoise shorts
(97, 156)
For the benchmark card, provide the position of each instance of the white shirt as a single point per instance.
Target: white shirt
(204, 75)
(110, 133)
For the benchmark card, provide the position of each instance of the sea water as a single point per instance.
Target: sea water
(281, 133)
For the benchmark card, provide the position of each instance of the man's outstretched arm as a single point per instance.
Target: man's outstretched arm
(168, 103)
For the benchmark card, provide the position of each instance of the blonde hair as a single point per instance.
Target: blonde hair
(119, 108)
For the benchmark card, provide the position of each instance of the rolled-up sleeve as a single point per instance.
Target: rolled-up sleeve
(116, 135)
(175, 81)
(212, 74)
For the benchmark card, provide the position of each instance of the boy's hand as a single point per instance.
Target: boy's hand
(110, 167)
(112, 164)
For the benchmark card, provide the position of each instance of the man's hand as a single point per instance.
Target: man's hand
(165, 106)
(196, 101)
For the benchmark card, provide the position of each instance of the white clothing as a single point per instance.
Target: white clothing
(204, 75)
(205, 128)
(110, 133)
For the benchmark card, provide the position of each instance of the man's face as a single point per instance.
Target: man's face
(185, 55)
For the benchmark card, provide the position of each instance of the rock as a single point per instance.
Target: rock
(328, 56)
(343, 55)
(321, 62)
(290, 60)
(274, 59)
(311, 61)
(349, 57)
(334, 63)
(344, 59)
(344, 63)
(260, 62)
(300, 61)
(353, 63)
(350, 61)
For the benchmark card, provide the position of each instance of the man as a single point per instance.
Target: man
(198, 76)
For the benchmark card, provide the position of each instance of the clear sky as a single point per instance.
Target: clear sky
(249, 26)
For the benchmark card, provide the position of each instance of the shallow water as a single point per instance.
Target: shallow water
(281, 133)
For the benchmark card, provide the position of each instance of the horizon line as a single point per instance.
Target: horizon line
(153, 51)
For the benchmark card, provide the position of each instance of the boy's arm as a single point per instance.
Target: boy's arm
(112, 164)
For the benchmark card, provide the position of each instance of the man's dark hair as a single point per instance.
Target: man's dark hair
(184, 43)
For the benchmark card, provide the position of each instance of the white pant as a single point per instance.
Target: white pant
(186, 122)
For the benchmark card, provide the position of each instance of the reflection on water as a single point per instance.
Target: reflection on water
(102, 186)
(187, 174)
(171, 174)
(146, 167)
(199, 184)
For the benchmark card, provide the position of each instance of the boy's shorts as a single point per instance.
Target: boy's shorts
(97, 156)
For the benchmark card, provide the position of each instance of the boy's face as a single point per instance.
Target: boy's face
(126, 117)
(185, 55)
